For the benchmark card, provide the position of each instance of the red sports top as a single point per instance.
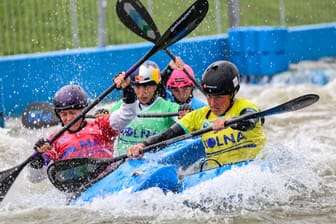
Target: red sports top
(94, 140)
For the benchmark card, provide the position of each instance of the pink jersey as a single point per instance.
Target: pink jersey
(95, 140)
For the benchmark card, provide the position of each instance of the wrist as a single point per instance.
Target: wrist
(129, 95)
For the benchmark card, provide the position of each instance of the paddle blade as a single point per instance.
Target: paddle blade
(185, 24)
(135, 16)
(291, 105)
(38, 115)
(7, 178)
(74, 174)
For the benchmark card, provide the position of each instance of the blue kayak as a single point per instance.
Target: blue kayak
(158, 169)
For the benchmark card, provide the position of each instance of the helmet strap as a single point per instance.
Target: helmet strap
(149, 102)
(187, 101)
(82, 125)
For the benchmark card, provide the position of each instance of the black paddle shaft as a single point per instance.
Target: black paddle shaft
(184, 25)
(152, 115)
(134, 16)
(292, 105)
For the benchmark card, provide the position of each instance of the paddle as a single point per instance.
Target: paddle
(134, 16)
(167, 114)
(41, 115)
(185, 24)
(71, 174)
(58, 172)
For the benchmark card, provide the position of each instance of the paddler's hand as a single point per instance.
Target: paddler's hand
(177, 64)
(183, 110)
(218, 124)
(42, 145)
(120, 81)
(100, 112)
(133, 152)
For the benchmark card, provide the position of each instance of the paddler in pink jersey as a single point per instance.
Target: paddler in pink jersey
(86, 138)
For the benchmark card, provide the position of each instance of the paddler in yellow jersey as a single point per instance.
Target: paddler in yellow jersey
(224, 145)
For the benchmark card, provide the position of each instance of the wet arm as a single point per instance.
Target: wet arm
(126, 113)
(174, 131)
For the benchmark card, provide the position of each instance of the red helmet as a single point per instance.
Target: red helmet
(179, 79)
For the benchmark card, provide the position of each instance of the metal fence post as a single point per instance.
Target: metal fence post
(102, 33)
(74, 23)
(282, 12)
(234, 13)
(218, 17)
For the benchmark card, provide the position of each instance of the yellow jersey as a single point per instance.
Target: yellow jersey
(227, 145)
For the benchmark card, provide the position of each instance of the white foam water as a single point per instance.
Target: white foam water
(297, 183)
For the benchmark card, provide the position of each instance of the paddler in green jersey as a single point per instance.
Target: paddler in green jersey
(145, 82)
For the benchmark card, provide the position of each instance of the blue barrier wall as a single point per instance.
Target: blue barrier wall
(31, 78)
(259, 50)
(311, 42)
(35, 77)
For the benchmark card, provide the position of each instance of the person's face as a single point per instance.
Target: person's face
(182, 94)
(68, 115)
(218, 104)
(145, 92)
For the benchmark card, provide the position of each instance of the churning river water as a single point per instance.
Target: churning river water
(300, 187)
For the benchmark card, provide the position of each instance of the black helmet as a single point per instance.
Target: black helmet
(221, 78)
(70, 97)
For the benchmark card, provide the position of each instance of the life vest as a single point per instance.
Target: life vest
(94, 140)
(139, 129)
(227, 145)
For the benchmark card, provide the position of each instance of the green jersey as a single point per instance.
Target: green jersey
(139, 129)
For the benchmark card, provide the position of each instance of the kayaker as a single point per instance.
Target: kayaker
(240, 142)
(85, 138)
(180, 86)
(145, 82)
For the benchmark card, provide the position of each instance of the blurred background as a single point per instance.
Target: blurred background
(40, 26)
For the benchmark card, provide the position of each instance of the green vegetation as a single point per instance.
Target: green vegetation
(39, 25)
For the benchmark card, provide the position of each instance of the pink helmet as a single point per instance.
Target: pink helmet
(179, 79)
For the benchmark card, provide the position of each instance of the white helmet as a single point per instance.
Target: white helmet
(148, 72)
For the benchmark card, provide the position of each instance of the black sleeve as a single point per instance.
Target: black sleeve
(165, 75)
(37, 162)
(249, 124)
(174, 131)
(161, 89)
(128, 95)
